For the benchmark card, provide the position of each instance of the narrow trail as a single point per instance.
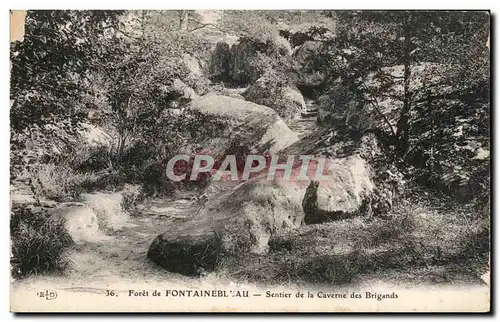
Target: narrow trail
(306, 124)
(120, 256)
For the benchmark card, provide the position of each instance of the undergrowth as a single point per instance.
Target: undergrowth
(38, 242)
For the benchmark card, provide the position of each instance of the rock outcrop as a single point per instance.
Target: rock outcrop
(251, 57)
(193, 65)
(187, 254)
(108, 208)
(95, 136)
(241, 220)
(185, 93)
(80, 221)
(308, 71)
(346, 194)
(257, 126)
(246, 217)
(247, 59)
(359, 165)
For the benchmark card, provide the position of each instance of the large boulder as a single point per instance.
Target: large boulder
(80, 222)
(280, 95)
(178, 93)
(359, 181)
(345, 195)
(252, 57)
(253, 126)
(307, 64)
(363, 180)
(228, 91)
(241, 220)
(218, 126)
(188, 254)
(211, 35)
(108, 207)
(185, 93)
(95, 136)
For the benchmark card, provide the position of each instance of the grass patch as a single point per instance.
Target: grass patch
(413, 238)
(38, 242)
(59, 182)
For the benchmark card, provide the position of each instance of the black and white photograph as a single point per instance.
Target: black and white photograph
(250, 160)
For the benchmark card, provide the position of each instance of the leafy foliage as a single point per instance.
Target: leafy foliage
(114, 69)
(419, 78)
(49, 81)
(49, 68)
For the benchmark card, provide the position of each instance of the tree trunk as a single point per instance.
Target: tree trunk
(403, 122)
(433, 127)
(143, 24)
(122, 132)
(121, 147)
(184, 18)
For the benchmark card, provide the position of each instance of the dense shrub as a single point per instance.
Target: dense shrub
(220, 63)
(38, 242)
(432, 104)
(46, 143)
(144, 161)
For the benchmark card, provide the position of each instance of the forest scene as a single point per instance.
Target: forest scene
(398, 102)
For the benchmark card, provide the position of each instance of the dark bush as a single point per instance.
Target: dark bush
(38, 242)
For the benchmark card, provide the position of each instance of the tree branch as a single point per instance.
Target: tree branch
(374, 103)
(201, 27)
(128, 35)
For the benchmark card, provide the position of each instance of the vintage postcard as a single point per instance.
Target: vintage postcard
(249, 161)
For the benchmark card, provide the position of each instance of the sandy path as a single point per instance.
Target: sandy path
(120, 256)
(304, 126)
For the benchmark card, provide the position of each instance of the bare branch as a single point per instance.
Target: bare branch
(128, 35)
(374, 103)
(201, 27)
